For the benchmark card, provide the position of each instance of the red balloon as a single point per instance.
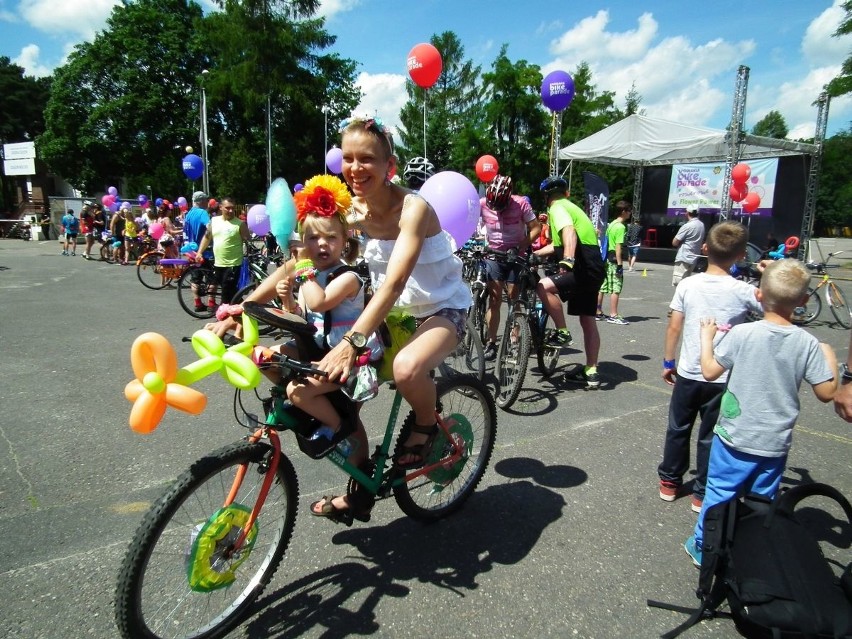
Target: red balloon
(487, 168)
(424, 65)
(738, 192)
(751, 202)
(740, 173)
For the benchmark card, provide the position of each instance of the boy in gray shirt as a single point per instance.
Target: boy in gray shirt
(760, 405)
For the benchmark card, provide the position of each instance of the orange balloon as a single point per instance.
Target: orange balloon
(186, 399)
(146, 413)
(152, 352)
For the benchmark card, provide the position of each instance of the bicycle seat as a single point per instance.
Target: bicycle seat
(278, 318)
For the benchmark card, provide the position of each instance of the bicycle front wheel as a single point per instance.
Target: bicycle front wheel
(180, 577)
(810, 308)
(106, 252)
(198, 292)
(466, 404)
(839, 306)
(547, 354)
(512, 359)
(148, 271)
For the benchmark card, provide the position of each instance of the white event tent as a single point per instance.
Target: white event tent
(640, 141)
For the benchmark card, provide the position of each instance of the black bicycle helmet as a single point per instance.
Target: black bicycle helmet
(498, 192)
(553, 184)
(417, 171)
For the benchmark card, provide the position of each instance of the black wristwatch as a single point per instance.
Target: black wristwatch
(845, 374)
(357, 340)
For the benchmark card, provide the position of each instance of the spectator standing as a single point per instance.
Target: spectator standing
(751, 440)
(688, 242)
(228, 234)
(45, 224)
(713, 293)
(195, 222)
(614, 281)
(71, 227)
(510, 224)
(633, 241)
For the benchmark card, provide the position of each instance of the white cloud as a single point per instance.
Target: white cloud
(331, 8)
(678, 80)
(382, 94)
(28, 59)
(819, 44)
(80, 17)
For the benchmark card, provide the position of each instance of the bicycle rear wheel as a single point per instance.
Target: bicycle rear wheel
(547, 354)
(810, 308)
(468, 358)
(839, 305)
(512, 359)
(107, 252)
(467, 403)
(203, 280)
(148, 271)
(174, 580)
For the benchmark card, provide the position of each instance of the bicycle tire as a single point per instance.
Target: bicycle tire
(186, 297)
(468, 358)
(154, 597)
(107, 253)
(809, 310)
(837, 302)
(443, 491)
(512, 360)
(148, 271)
(547, 354)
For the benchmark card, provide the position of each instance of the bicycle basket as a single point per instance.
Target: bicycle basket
(173, 268)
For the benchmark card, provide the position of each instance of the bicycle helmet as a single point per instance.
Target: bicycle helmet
(553, 184)
(417, 171)
(498, 192)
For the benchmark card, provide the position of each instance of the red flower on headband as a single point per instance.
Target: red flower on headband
(322, 202)
(324, 196)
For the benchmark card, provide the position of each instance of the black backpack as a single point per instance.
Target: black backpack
(761, 559)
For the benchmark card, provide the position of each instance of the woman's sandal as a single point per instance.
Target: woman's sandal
(343, 516)
(418, 452)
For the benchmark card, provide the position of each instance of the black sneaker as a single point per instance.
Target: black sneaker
(490, 352)
(579, 376)
(560, 338)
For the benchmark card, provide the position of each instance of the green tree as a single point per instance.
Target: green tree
(268, 55)
(842, 84)
(516, 120)
(453, 112)
(21, 114)
(834, 199)
(772, 125)
(125, 104)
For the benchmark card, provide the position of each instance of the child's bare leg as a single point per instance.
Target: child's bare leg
(310, 395)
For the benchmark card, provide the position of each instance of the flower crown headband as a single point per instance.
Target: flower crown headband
(373, 124)
(323, 196)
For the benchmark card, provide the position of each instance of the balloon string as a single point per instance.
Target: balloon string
(552, 136)
(425, 96)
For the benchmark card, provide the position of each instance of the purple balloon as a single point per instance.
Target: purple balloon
(298, 188)
(557, 90)
(456, 201)
(334, 160)
(193, 166)
(257, 219)
(112, 191)
(181, 201)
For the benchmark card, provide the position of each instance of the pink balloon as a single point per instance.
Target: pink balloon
(257, 219)
(156, 230)
(334, 160)
(456, 201)
(107, 200)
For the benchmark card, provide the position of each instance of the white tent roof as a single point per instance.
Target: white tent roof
(641, 141)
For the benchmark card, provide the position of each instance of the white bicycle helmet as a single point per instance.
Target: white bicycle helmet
(417, 171)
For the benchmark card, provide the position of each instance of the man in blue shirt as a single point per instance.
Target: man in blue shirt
(196, 221)
(71, 224)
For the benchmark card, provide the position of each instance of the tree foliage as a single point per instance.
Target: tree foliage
(834, 199)
(772, 125)
(842, 84)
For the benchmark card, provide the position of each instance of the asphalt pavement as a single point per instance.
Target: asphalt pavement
(566, 536)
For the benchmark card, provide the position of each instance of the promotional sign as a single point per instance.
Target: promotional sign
(701, 185)
(597, 205)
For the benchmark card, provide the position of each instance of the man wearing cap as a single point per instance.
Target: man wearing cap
(196, 221)
(688, 242)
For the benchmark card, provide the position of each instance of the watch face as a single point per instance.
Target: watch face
(359, 340)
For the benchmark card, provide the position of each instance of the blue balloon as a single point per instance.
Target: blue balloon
(159, 202)
(281, 210)
(557, 90)
(193, 166)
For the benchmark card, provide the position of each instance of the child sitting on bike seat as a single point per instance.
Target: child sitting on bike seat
(330, 296)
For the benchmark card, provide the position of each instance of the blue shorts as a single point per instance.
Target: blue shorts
(500, 272)
(456, 316)
(633, 251)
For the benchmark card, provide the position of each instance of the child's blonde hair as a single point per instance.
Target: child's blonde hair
(783, 285)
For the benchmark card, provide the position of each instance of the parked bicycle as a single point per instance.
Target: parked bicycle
(208, 547)
(835, 299)
(198, 290)
(528, 327)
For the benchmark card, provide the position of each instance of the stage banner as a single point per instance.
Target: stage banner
(701, 185)
(597, 205)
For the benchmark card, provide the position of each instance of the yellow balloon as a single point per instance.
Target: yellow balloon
(205, 366)
(240, 371)
(206, 343)
(251, 336)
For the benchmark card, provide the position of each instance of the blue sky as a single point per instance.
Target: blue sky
(682, 57)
